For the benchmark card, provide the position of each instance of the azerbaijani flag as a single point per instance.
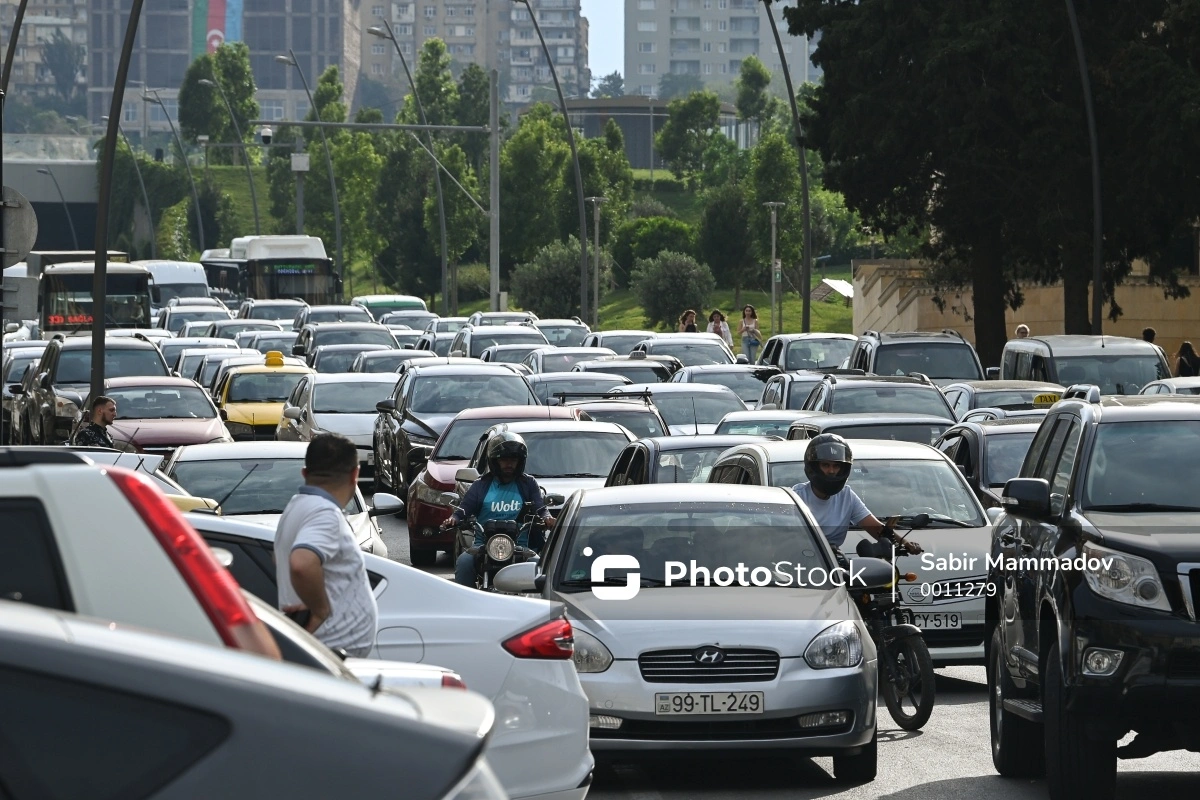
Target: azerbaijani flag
(213, 23)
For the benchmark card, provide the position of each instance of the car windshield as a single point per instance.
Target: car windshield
(347, 314)
(449, 325)
(1141, 464)
(687, 466)
(702, 409)
(163, 293)
(283, 343)
(564, 335)
(335, 360)
(755, 427)
(598, 385)
(382, 308)
(1005, 454)
(417, 320)
(1009, 398)
(798, 392)
(710, 534)
(162, 402)
(268, 486)
(929, 358)
(816, 353)
(746, 384)
(450, 394)
(75, 366)
(562, 362)
(404, 338)
(187, 364)
(211, 365)
(16, 367)
(622, 345)
(482, 341)
(385, 362)
(262, 387)
(357, 397)
(383, 337)
(511, 356)
(179, 318)
(638, 373)
(574, 454)
(642, 423)
(273, 312)
(921, 433)
(890, 399)
(1113, 374)
(693, 354)
(442, 344)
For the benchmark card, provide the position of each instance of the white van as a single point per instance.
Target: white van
(170, 279)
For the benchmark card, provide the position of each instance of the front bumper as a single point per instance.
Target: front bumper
(621, 692)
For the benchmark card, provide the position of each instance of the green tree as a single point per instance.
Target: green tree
(614, 137)
(64, 59)
(754, 102)
(318, 199)
(201, 109)
(409, 259)
(358, 167)
(611, 85)
(686, 135)
(436, 86)
(231, 64)
(550, 281)
(532, 165)
(474, 108)
(462, 217)
(669, 284)
(644, 238)
(725, 241)
(201, 112)
(672, 85)
(775, 178)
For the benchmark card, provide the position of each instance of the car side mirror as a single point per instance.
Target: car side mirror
(297, 349)
(224, 415)
(458, 353)
(44, 381)
(16, 388)
(383, 503)
(993, 373)
(1027, 497)
(466, 475)
(555, 499)
(741, 359)
(386, 406)
(868, 573)
(520, 579)
(448, 499)
(418, 455)
(292, 412)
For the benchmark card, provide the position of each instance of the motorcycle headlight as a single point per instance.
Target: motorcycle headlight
(500, 548)
(1124, 578)
(837, 646)
(590, 653)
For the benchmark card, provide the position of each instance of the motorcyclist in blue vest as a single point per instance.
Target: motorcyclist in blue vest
(499, 495)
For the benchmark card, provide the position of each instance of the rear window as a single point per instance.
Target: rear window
(921, 434)
(929, 358)
(75, 366)
(693, 354)
(30, 568)
(481, 342)
(564, 335)
(642, 424)
(286, 312)
(353, 337)
(890, 399)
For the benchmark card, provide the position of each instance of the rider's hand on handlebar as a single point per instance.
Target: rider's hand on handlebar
(447, 523)
(913, 548)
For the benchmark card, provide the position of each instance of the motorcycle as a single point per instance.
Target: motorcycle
(905, 663)
(500, 547)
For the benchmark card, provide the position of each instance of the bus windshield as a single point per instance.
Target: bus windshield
(310, 280)
(66, 301)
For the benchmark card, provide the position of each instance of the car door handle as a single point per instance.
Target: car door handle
(1008, 538)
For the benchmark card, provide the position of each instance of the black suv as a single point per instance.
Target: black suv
(945, 357)
(870, 394)
(1095, 570)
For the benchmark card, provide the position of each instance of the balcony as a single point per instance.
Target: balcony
(744, 25)
(684, 46)
(747, 47)
(685, 67)
(685, 25)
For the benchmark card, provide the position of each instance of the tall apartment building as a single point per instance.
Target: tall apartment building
(708, 39)
(491, 33)
(172, 33)
(30, 76)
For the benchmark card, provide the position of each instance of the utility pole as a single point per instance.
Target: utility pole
(596, 201)
(776, 326)
(494, 193)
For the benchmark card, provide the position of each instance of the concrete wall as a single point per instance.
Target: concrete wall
(892, 295)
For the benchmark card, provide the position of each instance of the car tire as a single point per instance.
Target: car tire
(1018, 745)
(860, 768)
(1077, 767)
(423, 557)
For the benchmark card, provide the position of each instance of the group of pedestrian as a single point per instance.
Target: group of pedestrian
(748, 330)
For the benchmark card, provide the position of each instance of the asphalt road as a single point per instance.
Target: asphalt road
(949, 759)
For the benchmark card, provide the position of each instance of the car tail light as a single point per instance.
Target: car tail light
(453, 681)
(215, 588)
(551, 640)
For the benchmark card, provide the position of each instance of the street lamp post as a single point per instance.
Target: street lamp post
(142, 184)
(574, 156)
(146, 95)
(805, 211)
(776, 327)
(386, 32)
(245, 159)
(596, 201)
(290, 60)
(66, 208)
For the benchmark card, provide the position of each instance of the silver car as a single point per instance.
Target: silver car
(669, 663)
(340, 402)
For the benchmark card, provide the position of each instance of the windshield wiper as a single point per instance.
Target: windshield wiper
(254, 511)
(1141, 507)
(578, 475)
(584, 583)
(958, 523)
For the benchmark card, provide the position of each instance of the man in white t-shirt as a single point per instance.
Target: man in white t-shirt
(827, 464)
(319, 568)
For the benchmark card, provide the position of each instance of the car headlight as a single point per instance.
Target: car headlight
(65, 406)
(590, 653)
(420, 438)
(500, 548)
(837, 646)
(426, 493)
(1124, 578)
(239, 429)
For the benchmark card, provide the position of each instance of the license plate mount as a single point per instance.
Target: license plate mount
(673, 704)
(937, 620)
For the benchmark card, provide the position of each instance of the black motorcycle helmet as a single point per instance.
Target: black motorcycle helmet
(506, 445)
(828, 447)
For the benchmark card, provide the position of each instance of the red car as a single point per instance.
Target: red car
(452, 452)
(156, 415)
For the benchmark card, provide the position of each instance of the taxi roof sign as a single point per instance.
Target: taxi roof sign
(274, 358)
(1046, 400)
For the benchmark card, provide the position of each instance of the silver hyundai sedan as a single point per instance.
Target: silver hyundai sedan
(707, 617)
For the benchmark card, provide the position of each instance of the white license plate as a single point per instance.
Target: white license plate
(938, 622)
(685, 703)
(371, 459)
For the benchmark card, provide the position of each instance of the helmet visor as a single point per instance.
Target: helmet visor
(832, 451)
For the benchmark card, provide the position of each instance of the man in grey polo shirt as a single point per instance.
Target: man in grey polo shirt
(319, 567)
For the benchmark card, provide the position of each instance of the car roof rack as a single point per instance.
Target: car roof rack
(30, 456)
(869, 332)
(921, 376)
(953, 332)
(1087, 392)
(645, 397)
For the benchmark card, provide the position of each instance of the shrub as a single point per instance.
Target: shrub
(474, 282)
(647, 237)
(173, 236)
(649, 207)
(549, 284)
(670, 284)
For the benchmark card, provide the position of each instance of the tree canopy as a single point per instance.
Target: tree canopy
(611, 85)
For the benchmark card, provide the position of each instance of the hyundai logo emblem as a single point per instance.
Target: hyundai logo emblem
(709, 656)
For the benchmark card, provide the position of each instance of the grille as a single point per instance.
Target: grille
(264, 431)
(766, 729)
(679, 666)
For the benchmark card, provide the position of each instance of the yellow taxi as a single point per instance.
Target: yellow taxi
(250, 397)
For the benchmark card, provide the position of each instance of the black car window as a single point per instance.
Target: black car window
(620, 467)
(910, 399)
(31, 570)
(1005, 452)
(1034, 455)
(928, 358)
(122, 745)
(1049, 461)
(1065, 467)
(636, 474)
(1147, 461)
(252, 566)
(950, 445)
(450, 394)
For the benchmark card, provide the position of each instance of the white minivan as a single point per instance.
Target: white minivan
(169, 279)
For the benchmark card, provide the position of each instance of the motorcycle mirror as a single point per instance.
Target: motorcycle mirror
(920, 521)
(870, 573)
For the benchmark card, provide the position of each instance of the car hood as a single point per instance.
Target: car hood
(1171, 535)
(255, 413)
(352, 425)
(691, 429)
(436, 423)
(568, 486)
(778, 618)
(443, 471)
(173, 432)
(359, 523)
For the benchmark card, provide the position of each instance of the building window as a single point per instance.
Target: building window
(430, 12)
(720, 47)
(708, 24)
(469, 11)
(377, 69)
(647, 47)
(404, 30)
(451, 11)
(724, 69)
(271, 109)
(431, 30)
(376, 11)
(708, 69)
(646, 89)
(722, 4)
(377, 50)
(722, 25)
(156, 112)
(708, 4)
(130, 113)
(646, 5)
(647, 69)
(647, 27)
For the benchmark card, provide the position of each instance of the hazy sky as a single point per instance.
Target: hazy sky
(606, 36)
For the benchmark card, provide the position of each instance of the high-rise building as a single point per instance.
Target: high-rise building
(31, 77)
(708, 39)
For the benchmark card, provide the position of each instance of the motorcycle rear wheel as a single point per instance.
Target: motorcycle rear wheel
(910, 699)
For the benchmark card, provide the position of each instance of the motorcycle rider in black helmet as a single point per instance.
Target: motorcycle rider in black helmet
(835, 507)
(499, 495)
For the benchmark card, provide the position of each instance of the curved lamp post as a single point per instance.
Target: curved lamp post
(385, 32)
(290, 60)
(583, 306)
(183, 154)
(66, 209)
(141, 183)
(245, 159)
(805, 210)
